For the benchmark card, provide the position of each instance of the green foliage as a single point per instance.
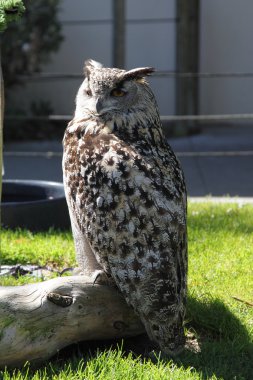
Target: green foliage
(220, 267)
(28, 44)
(10, 10)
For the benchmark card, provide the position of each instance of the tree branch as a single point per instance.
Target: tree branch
(37, 320)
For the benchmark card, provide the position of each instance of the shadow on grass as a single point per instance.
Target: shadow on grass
(226, 347)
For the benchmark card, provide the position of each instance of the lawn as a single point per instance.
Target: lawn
(219, 312)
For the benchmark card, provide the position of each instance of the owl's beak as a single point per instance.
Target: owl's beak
(99, 105)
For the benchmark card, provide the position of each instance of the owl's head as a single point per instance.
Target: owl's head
(111, 91)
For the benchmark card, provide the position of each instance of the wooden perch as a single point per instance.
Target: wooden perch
(37, 320)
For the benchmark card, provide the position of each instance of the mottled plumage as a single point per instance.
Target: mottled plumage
(127, 198)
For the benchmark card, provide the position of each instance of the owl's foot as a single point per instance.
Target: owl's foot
(101, 278)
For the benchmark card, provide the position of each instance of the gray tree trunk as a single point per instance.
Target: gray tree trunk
(37, 320)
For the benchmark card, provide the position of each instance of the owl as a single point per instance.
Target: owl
(126, 196)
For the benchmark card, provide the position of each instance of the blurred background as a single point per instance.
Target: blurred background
(203, 54)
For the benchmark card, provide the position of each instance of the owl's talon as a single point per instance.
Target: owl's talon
(101, 278)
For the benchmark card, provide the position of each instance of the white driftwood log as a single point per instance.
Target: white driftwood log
(37, 320)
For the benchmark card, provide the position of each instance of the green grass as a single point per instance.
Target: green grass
(52, 248)
(220, 268)
(108, 365)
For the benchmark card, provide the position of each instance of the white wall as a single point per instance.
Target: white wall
(226, 45)
(147, 44)
(226, 32)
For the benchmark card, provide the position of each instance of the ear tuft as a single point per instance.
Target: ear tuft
(89, 65)
(138, 73)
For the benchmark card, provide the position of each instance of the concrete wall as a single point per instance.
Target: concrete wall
(225, 45)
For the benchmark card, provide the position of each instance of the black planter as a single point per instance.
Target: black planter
(35, 205)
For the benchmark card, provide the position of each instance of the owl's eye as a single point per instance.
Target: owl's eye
(118, 92)
(88, 92)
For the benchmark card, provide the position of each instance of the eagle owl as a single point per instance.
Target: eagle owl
(127, 199)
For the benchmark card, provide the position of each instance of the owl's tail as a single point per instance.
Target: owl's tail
(169, 337)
